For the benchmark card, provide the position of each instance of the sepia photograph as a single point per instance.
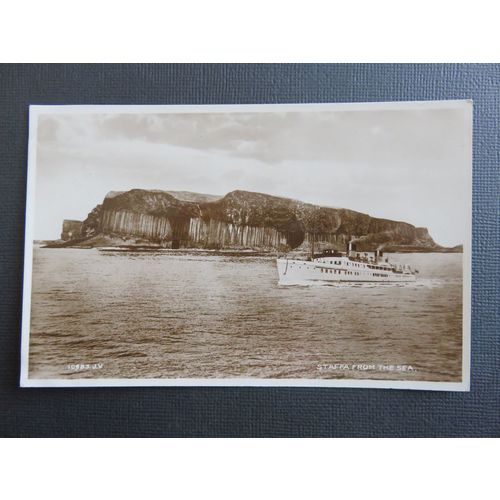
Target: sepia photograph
(249, 245)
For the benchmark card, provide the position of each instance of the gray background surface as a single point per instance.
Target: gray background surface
(251, 411)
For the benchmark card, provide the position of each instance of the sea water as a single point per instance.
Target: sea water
(177, 314)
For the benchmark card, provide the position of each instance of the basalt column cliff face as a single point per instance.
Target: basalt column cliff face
(161, 218)
(153, 216)
(242, 220)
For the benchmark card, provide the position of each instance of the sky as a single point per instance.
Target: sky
(402, 164)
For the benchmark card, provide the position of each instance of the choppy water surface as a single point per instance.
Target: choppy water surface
(178, 314)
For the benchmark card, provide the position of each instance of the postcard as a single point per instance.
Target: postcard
(320, 245)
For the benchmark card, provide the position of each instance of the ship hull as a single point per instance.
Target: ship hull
(301, 272)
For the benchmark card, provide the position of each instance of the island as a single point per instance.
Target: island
(240, 220)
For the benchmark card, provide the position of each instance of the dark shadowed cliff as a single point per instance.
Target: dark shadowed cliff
(240, 220)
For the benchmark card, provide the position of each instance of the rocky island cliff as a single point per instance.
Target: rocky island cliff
(238, 220)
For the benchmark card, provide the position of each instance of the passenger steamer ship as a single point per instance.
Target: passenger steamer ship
(337, 267)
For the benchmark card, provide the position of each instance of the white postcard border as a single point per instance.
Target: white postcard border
(36, 110)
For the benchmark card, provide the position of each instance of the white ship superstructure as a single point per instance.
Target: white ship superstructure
(337, 267)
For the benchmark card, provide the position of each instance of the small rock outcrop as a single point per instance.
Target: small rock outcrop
(71, 229)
